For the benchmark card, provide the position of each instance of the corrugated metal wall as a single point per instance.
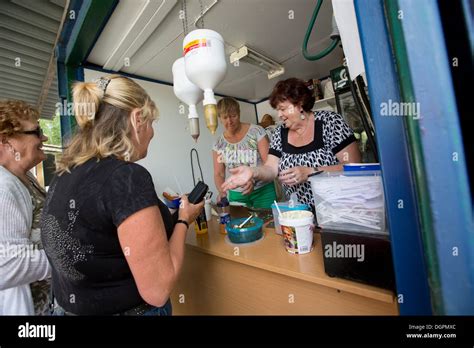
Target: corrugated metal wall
(28, 32)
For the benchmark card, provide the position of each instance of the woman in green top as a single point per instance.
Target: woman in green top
(241, 144)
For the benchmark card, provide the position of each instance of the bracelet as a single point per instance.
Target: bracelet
(183, 222)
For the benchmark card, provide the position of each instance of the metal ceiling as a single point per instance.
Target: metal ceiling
(28, 34)
(150, 35)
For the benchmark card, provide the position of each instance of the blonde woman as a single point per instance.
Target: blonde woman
(24, 268)
(113, 246)
(241, 144)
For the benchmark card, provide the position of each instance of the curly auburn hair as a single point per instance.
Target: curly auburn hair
(12, 112)
(293, 90)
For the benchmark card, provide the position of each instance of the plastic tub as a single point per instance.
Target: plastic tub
(251, 231)
(297, 227)
(284, 207)
(350, 201)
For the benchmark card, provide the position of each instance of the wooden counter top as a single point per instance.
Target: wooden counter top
(270, 254)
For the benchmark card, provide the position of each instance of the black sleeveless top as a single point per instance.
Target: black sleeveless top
(79, 224)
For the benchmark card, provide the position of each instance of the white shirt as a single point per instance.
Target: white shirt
(20, 262)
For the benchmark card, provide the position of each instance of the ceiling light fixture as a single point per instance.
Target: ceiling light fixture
(248, 55)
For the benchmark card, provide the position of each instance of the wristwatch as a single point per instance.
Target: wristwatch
(183, 222)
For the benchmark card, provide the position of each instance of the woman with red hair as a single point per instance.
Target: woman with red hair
(306, 142)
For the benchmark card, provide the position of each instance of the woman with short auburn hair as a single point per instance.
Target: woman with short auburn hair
(305, 143)
(24, 267)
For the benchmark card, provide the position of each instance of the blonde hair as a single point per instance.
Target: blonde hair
(12, 112)
(228, 105)
(103, 116)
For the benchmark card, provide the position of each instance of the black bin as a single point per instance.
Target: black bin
(358, 256)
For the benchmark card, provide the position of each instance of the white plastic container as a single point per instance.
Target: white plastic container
(297, 227)
(349, 201)
(184, 89)
(205, 62)
(187, 92)
(205, 66)
(284, 207)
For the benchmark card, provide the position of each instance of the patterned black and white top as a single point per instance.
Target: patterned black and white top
(331, 135)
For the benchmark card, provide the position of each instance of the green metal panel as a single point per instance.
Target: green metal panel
(91, 19)
(86, 19)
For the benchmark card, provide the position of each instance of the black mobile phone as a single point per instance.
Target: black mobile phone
(198, 193)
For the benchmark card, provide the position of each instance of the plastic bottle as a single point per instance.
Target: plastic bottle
(224, 214)
(205, 66)
(188, 93)
(200, 225)
(208, 209)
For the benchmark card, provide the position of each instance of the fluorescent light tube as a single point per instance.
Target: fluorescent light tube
(250, 56)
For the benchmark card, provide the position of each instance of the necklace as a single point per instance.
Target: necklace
(304, 131)
(234, 136)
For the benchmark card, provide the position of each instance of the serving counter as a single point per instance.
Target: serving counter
(262, 278)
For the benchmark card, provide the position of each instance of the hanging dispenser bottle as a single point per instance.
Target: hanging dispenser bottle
(205, 66)
(188, 93)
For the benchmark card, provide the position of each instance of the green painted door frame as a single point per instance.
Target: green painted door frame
(84, 23)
